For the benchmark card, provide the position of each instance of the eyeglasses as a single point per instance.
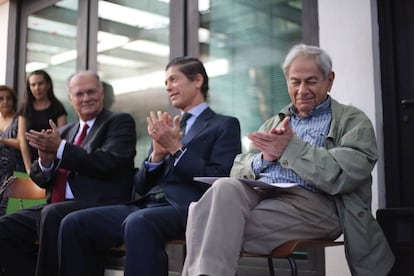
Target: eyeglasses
(79, 95)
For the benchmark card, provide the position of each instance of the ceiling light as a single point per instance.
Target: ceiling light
(43, 48)
(121, 62)
(52, 27)
(217, 67)
(32, 66)
(203, 35)
(151, 80)
(130, 16)
(68, 4)
(203, 6)
(63, 57)
(107, 41)
(149, 47)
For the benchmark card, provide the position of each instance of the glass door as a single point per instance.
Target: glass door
(51, 36)
(132, 52)
(126, 42)
(243, 44)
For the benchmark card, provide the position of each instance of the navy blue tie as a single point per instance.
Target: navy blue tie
(183, 121)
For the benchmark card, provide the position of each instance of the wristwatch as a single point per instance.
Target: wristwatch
(178, 153)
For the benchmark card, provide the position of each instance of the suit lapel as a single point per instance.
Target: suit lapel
(102, 117)
(72, 132)
(200, 124)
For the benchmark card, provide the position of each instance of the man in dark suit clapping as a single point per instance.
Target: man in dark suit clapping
(206, 146)
(92, 160)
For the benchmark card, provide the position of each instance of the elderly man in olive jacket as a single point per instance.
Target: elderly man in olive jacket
(326, 152)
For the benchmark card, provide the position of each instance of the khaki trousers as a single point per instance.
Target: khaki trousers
(232, 217)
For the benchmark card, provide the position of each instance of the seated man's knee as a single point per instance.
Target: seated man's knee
(49, 211)
(134, 222)
(227, 184)
(70, 222)
(143, 224)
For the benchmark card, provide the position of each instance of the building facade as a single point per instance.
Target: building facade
(242, 43)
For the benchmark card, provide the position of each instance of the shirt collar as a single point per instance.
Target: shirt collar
(320, 109)
(89, 122)
(197, 110)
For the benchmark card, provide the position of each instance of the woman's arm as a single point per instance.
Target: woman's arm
(10, 142)
(61, 121)
(24, 147)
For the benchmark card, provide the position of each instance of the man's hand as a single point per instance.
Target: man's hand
(273, 143)
(165, 133)
(46, 142)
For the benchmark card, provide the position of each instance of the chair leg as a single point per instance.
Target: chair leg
(270, 265)
(293, 266)
(184, 252)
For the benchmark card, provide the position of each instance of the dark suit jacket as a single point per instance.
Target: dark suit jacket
(102, 168)
(211, 145)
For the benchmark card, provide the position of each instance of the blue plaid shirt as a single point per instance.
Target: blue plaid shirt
(312, 129)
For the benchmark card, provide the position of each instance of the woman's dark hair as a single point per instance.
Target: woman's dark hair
(12, 94)
(191, 67)
(27, 106)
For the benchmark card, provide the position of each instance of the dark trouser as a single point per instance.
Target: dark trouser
(18, 251)
(89, 233)
(20, 230)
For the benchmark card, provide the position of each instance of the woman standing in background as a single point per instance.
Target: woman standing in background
(40, 104)
(10, 156)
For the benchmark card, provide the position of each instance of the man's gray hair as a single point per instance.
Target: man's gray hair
(85, 72)
(322, 59)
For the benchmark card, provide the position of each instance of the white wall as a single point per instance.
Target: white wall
(4, 18)
(348, 34)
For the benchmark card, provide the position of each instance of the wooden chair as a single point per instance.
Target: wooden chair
(23, 188)
(285, 251)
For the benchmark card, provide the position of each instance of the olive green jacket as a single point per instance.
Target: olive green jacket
(341, 168)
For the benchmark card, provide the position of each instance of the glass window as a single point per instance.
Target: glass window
(51, 44)
(242, 44)
(132, 52)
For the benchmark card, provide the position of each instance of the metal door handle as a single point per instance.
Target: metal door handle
(407, 102)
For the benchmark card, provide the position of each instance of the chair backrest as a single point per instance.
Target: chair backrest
(25, 188)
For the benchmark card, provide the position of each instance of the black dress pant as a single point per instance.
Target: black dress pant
(19, 253)
(144, 228)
